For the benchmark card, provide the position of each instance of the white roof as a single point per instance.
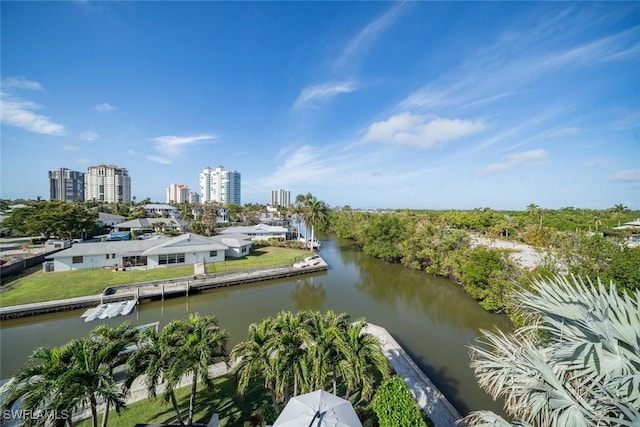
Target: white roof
(260, 228)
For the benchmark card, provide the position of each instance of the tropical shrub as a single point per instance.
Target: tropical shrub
(395, 406)
(577, 364)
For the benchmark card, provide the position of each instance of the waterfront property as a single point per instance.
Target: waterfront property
(146, 254)
(259, 232)
(146, 224)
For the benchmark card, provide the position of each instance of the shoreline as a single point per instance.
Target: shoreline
(160, 289)
(441, 412)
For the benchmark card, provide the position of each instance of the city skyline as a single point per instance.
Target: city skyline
(374, 104)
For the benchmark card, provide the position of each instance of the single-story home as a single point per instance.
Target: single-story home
(157, 224)
(239, 244)
(109, 220)
(160, 252)
(259, 232)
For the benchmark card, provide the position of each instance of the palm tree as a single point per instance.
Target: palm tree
(578, 363)
(315, 214)
(113, 342)
(290, 351)
(90, 376)
(151, 360)
(200, 343)
(362, 355)
(38, 386)
(326, 331)
(255, 358)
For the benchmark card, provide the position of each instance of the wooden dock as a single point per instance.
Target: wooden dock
(161, 289)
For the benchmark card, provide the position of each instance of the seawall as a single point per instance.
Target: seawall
(160, 289)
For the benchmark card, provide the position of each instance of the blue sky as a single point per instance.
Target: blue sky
(430, 105)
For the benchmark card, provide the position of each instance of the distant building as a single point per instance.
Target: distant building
(160, 210)
(219, 185)
(281, 198)
(194, 198)
(66, 185)
(108, 220)
(177, 193)
(108, 183)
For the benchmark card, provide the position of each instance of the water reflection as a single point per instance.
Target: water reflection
(308, 294)
(432, 318)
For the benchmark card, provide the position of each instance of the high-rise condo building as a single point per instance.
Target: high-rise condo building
(66, 185)
(177, 193)
(220, 185)
(281, 198)
(194, 198)
(108, 183)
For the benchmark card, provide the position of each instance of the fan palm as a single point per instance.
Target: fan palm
(577, 364)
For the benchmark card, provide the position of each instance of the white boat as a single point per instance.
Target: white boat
(96, 313)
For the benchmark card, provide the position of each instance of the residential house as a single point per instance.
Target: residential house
(186, 249)
(108, 220)
(156, 224)
(259, 232)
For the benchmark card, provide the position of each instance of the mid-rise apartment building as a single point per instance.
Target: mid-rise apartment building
(219, 185)
(66, 185)
(108, 183)
(177, 193)
(281, 198)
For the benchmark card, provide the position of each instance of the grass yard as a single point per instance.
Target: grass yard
(233, 410)
(40, 286)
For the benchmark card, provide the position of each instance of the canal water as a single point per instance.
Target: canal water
(432, 318)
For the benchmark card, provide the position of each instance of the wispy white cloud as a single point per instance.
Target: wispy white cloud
(20, 83)
(517, 159)
(89, 135)
(312, 95)
(630, 175)
(20, 113)
(104, 107)
(70, 147)
(629, 120)
(82, 161)
(599, 162)
(173, 145)
(158, 159)
(420, 131)
(366, 38)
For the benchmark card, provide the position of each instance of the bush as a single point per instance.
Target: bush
(395, 406)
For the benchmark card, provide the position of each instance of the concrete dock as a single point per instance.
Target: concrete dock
(429, 398)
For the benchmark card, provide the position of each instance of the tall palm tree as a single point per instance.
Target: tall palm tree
(315, 214)
(151, 360)
(326, 331)
(290, 352)
(90, 376)
(578, 363)
(113, 342)
(201, 342)
(255, 358)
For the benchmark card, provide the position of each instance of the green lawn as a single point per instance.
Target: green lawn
(40, 286)
(232, 409)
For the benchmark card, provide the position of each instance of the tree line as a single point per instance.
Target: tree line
(289, 354)
(439, 243)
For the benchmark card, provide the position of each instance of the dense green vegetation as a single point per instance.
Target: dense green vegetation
(440, 243)
(289, 354)
(576, 364)
(395, 406)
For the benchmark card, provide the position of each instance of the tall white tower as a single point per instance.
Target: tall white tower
(220, 185)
